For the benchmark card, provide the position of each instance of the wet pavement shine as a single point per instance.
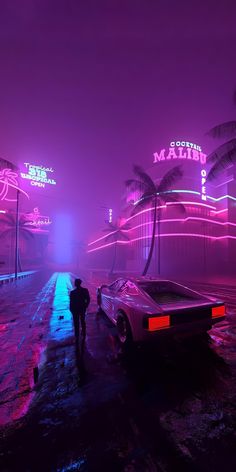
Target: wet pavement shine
(94, 408)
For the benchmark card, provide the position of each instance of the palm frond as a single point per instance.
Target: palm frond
(123, 236)
(142, 203)
(175, 198)
(6, 231)
(225, 161)
(224, 130)
(224, 148)
(111, 238)
(8, 219)
(144, 178)
(170, 178)
(26, 233)
(110, 228)
(132, 183)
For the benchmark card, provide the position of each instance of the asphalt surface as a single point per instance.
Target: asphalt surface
(95, 409)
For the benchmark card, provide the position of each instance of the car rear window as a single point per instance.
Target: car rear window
(164, 292)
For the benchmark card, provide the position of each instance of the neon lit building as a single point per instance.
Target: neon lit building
(202, 241)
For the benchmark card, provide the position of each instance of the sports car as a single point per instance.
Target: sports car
(145, 309)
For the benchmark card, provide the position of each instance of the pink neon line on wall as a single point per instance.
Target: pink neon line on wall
(173, 203)
(224, 183)
(102, 237)
(149, 209)
(221, 198)
(167, 235)
(182, 220)
(219, 211)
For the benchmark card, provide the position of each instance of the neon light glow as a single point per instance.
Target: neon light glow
(203, 184)
(167, 235)
(221, 198)
(219, 211)
(2, 211)
(38, 175)
(183, 191)
(224, 183)
(178, 191)
(181, 150)
(171, 220)
(9, 179)
(185, 144)
(36, 219)
(149, 209)
(183, 220)
(198, 193)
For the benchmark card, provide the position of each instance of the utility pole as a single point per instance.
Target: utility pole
(17, 234)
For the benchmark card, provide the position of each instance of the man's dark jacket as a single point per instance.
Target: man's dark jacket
(79, 300)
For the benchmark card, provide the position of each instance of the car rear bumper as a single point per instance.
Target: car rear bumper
(183, 330)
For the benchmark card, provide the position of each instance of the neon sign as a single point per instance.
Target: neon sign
(203, 182)
(9, 180)
(181, 150)
(36, 219)
(39, 176)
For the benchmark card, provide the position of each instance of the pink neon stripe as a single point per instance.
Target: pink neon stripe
(167, 235)
(17, 188)
(171, 203)
(102, 237)
(224, 183)
(107, 245)
(219, 211)
(149, 209)
(178, 220)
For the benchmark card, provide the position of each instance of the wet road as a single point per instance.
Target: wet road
(171, 409)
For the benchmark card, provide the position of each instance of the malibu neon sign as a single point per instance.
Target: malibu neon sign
(39, 176)
(181, 150)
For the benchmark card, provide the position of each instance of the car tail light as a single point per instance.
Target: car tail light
(158, 322)
(218, 311)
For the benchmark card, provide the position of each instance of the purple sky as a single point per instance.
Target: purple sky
(93, 86)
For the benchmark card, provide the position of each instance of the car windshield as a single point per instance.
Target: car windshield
(165, 292)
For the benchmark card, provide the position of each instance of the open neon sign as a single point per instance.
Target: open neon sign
(181, 150)
(39, 176)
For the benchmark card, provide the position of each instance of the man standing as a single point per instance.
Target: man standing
(79, 302)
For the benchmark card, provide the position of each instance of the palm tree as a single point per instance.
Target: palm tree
(154, 195)
(9, 220)
(117, 233)
(225, 154)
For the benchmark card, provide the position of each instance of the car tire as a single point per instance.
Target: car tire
(124, 330)
(99, 302)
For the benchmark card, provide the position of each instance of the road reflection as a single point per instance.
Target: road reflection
(166, 374)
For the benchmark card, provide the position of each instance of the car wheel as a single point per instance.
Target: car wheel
(99, 301)
(124, 330)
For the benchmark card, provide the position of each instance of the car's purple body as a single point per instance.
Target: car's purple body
(138, 300)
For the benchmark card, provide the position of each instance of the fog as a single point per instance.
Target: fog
(91, 87)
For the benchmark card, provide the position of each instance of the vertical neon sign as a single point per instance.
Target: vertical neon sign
(203, 184)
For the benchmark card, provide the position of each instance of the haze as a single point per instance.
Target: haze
(91, 87)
